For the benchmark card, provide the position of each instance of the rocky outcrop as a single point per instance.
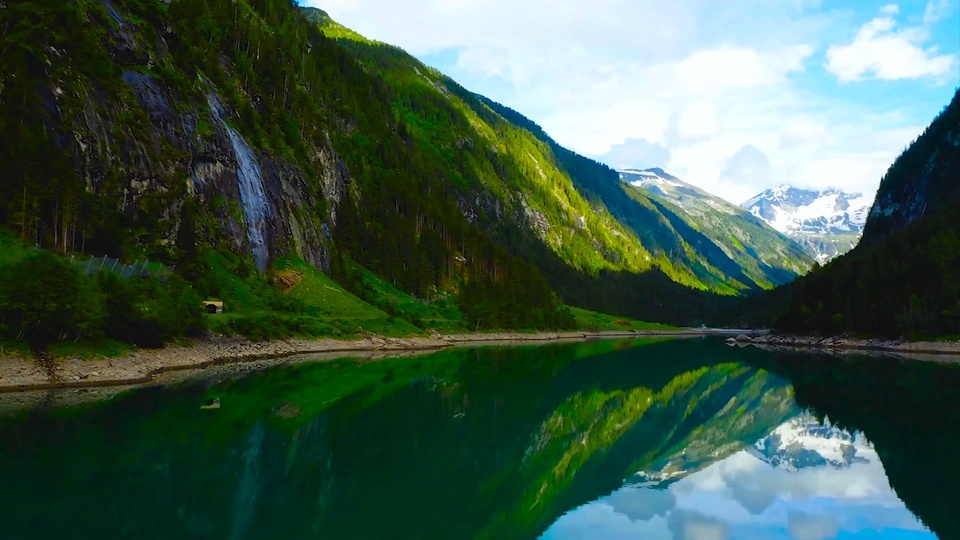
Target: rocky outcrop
(147, 145)
(949, 349)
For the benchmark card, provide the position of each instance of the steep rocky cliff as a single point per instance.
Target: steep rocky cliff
(146, 135)
(923, 179)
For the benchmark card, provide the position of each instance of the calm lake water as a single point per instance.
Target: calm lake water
(685, 439)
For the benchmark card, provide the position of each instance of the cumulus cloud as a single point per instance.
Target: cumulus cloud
(729, 67)
(799, 130)
(881, 51)
(636, 154)
(696, 122)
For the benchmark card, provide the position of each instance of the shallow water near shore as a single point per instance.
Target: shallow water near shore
(650, 438)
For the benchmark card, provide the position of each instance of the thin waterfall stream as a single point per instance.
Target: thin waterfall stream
(253, 196)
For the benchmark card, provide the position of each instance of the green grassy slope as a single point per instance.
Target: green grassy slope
(591, 320)
(440, 313)
(299, 300)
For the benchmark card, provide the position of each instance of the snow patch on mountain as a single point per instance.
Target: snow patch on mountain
(688, 196)
(791, 210)
(803, 442)
(646, 177)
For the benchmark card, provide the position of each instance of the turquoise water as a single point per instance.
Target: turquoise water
(685, 439)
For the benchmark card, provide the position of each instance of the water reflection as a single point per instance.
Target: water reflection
(910, 411)
(681, 439)
(803, 481)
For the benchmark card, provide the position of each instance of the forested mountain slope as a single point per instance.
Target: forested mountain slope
(682, 253)
(904, 277)
(522, 173)
(173, 131)
(219, 137)
(686, 237)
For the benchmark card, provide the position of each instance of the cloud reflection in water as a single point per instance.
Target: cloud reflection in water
(752, 494)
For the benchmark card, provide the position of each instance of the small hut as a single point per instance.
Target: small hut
(213, 307)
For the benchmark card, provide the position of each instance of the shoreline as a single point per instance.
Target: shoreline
(926, 350)
(154, 366)
(147, 366)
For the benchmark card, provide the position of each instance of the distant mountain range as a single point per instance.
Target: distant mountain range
(826, 223)
(801, 442)
(758, 248)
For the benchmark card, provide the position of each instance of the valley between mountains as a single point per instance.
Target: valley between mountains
(263, 159)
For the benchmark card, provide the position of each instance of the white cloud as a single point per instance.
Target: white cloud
(636, 154)
(734, 68)
(642, 504)
(890, 9)
(880, 52)
(935, 11)
(799, 130)
(749, 166)
(698, 121)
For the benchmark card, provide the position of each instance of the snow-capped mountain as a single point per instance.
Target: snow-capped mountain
(799, 443)
(827, 223)
(804, 442)
(791, 210)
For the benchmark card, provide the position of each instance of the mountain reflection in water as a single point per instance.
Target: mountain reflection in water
(648, 438)
(805, 480)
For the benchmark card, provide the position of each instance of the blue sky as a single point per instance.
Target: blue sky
(733, 95)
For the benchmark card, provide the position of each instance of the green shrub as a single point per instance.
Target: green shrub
(149, 313)
(265, 325)
(44, 299)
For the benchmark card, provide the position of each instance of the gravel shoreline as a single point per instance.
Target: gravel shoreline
(926, 350)
(146, 366)
(156, 365)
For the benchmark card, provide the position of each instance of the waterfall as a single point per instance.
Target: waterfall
(253, 197)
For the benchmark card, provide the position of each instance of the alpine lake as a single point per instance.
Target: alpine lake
(648, 438)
